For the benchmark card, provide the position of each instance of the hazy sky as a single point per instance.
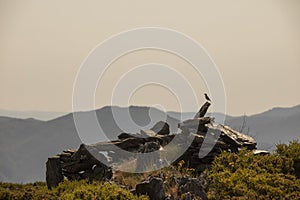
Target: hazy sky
(255, 44)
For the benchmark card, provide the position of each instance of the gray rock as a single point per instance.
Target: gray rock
(203, 181)
(123, 136)
(153, 188)
(147, 133)
(197, 124)
(150, 147)
(260, 152)
(149, 161)
(192, 186)
(161, 128)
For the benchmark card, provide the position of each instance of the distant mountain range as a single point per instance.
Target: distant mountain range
(25, 144)
(39, 115)
(278, 125)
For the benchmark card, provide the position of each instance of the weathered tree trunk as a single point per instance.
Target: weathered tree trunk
(202, 110)
(53, 172)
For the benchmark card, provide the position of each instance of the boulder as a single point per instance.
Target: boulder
(149, 161)
(147, 133)
(193, 186)
(54, 173)
(150, 147)
(153, 188)
(196, 124)
(123, 136)
(161, 128)
(260, 152)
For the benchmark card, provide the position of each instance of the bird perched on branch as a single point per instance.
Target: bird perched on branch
(206, 97)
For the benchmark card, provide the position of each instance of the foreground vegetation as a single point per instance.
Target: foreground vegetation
(66, 190)
(240, 175)
(248, 176)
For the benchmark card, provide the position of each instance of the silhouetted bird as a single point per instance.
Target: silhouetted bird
(206, 97)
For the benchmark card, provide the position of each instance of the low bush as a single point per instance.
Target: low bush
(66, 190)
(244, 175)
(241, 175)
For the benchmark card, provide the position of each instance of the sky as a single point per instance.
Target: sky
(255, 45)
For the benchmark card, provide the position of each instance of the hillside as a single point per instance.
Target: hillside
(27, 143)
(278, 125)
(39, 115)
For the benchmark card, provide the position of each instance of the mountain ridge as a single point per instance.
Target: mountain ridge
(26, 143)
(51, 115)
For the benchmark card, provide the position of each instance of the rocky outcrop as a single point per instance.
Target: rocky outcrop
(89, 161)
(76, 165)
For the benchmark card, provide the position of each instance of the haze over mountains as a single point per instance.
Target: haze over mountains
(25, 144)
(39, 115)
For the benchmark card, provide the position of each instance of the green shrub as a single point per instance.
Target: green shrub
(65, 191)
(244, 175)
(241, 175)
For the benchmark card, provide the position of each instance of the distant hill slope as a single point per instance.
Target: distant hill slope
(25, 144)
(39, 115)
(278, 125)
